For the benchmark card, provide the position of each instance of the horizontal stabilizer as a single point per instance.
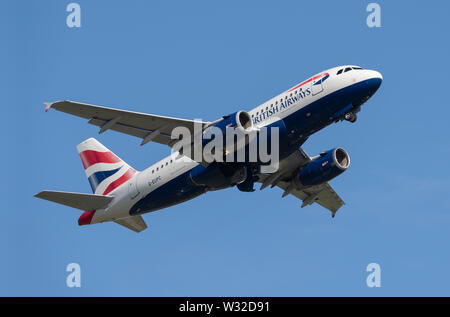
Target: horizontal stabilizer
(135, 223)
(87, 202)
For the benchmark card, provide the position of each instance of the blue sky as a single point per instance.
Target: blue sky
(204, 59)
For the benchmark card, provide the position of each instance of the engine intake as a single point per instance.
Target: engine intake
(238, 126)
(325, 167)
(240, 120)
(244, 121)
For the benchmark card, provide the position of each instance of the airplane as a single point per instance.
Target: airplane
(121, 194)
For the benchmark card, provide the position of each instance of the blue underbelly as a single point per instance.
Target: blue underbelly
(174, 192)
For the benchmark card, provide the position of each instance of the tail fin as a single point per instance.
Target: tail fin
(104, 170)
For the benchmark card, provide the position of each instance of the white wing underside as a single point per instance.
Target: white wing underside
(148, 127)
(322, 194)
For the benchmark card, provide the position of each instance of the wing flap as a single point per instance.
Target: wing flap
(329, 199)
(86, 202)
(135, 223)
(134, 131)
(322, 194)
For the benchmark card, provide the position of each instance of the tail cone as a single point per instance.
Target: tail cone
(86, 218)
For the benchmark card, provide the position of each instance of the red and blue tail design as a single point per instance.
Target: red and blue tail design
(104, 170)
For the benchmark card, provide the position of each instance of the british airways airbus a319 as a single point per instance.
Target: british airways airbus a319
(122, 194)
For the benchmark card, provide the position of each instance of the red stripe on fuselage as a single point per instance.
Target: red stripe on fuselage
(122, 179)
(307, 81)
(89, 158)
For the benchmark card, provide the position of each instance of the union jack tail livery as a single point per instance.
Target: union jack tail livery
(104, 170)
(113, 182)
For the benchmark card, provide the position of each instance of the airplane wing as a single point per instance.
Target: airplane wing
(135, 223)
(148, 127)
(322, 194)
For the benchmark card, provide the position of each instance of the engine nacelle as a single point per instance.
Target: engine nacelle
(238, 125)
(325, 167)
(240, 120)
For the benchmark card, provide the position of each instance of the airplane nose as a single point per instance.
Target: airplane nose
(374, 82)
(378, 75)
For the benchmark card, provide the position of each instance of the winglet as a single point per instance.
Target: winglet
(48, 105)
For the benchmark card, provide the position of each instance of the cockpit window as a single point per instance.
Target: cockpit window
(347, 69)
(340, 71)
(357, 67)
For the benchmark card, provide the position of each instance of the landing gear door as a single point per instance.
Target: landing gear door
(316, 85)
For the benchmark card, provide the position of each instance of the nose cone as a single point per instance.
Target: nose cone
(374, 81)
(378, 75)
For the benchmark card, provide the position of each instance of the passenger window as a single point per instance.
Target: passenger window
(347, 69)
(340, 71)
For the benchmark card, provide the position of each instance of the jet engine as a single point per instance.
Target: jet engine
(325, 167)
(240, 120)
(238, 126)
